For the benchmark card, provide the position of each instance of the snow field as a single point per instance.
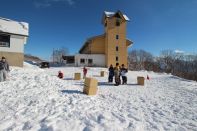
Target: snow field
(35, 99)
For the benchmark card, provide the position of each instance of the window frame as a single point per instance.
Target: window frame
(117, 58)
(117, 22)
(117, 48)
(90, 61)
(4, 42)
(117, 37)
(82, 61)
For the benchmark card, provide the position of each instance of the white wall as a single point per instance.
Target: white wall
(98, 59)
(16, 44)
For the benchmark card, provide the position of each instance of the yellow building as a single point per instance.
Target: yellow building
(108, 48)
(113, 44)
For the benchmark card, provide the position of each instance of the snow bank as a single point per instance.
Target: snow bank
(35, 99)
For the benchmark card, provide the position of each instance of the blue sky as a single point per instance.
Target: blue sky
(155, 24)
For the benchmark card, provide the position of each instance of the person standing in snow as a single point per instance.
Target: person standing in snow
(123, 72)
(84, 72)
(117, 74)
(111, 73)
(4, 69)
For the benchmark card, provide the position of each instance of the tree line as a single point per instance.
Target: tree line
(177, 63)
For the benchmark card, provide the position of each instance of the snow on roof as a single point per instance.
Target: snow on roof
(14, 27)
(110, 14)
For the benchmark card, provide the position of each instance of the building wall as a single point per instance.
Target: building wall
(13, 58)
(111, 42)
(16, 44)
(97, 45)
(14, 53)
(98, 59)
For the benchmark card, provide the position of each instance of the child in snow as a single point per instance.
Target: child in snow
(4, 69)
(84, 72)
(117, 74)
(124, 74)
(111, 73)
(60, 75)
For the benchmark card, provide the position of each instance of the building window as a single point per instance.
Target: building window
(117, 37)
(116, 58)
(90, 61)
(117, 22)
(4, 40)
(82, 61)
(116, 48)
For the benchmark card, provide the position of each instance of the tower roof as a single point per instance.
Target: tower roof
(107, 14)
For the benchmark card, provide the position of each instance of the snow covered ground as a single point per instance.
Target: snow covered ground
(35, 99)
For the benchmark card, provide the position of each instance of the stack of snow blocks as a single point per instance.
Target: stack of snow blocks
(102, 73)
(77, 76)
(140, 80)
(90, 86)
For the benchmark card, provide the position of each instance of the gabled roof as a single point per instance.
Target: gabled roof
(107, 14)
(89, 40)
(129, 42)
(14, 27)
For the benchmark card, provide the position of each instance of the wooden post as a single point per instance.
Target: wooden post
(90, 86)
(102, 73)
(140, 80)
(77, 76)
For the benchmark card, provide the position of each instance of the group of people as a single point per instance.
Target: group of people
(4, 69)
(117, 72)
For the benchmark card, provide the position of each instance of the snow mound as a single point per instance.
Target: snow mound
(28, 65)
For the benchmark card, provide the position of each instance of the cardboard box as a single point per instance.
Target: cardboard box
(77, 76)
(140, 80)
(102, 73)
(90, 86)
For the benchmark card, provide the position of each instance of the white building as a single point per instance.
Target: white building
(96, 60)
(13, 36)
(90, 60)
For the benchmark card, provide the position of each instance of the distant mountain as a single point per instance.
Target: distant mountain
(31, 58)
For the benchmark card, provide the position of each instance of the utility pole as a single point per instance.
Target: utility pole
(53, 55)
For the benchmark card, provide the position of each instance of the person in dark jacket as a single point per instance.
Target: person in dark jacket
(123, 72)
(111, 73)
(4, 69)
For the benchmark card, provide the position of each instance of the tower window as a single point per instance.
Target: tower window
(117, 22)
(116, 48)
(116, 58)
(117, 36)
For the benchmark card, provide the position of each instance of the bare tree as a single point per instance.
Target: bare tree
(138, 59)
(58, 53)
